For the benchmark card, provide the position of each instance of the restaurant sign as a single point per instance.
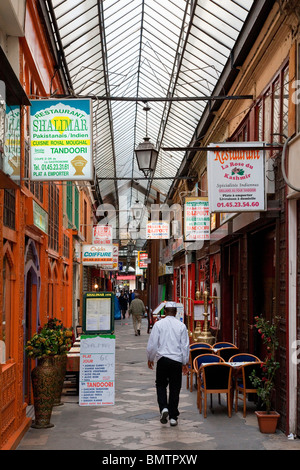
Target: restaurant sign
(61, 140)
(102, 234)
(158, 230)
(196, 219)
(236, 177)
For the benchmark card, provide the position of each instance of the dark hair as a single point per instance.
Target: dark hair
(170, 311)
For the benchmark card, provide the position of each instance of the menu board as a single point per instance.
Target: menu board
(97, 370)
(98, 313)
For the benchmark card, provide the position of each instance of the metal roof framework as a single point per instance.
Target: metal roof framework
(123, 54)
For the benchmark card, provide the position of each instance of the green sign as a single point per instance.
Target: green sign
(40, 217)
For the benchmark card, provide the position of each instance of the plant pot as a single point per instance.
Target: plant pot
(60, 362)
(267, 421)
(44, 384)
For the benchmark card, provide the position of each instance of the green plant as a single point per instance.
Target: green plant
(265, 382)
(42, 344)
(52, 339)
(64, 335)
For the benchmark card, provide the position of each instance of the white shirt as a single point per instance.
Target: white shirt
(169, 338)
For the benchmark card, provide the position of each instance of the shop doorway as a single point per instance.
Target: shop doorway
(31, 309)
(230, 294)
(262, 281)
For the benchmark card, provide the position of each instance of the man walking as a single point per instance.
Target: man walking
(169, 343)
(137, 309)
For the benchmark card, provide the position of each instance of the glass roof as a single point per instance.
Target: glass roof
(125, 53)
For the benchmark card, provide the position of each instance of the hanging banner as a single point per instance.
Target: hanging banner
(158, 230)
(142, 257)
(61, 140)
(196, 219)
(115, 266)
(97, 370)
(236, 177)
(102, 234)
(100, 255)
(12, 142)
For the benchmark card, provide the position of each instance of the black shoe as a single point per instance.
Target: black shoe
(139, 332)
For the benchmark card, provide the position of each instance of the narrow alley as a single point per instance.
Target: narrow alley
(132, 424)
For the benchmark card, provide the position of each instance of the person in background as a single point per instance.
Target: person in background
(123, 303)
(131, 296)
(169, 344)
(137, 310)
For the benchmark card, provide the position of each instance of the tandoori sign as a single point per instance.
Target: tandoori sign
(236, 177)
(61, 140)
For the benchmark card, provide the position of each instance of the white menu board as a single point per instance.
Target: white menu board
(97, 370)
(98, 314)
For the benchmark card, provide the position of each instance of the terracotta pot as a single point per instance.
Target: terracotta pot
(61, 363)
(267, 421)
(44, 384)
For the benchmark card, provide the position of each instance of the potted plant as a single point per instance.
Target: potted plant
(65, 336)
(42, 347)
(265, 382)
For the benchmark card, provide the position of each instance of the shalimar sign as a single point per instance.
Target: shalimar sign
(61, 140)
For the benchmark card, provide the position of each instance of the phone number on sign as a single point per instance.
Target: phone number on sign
(238, 204)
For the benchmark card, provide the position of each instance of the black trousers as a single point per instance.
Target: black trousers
(168, 373)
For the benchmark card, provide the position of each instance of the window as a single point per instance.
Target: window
(242, 132)
(76, 208)
(9, 217)
(66, 251)
(272, 110)
(53, 224)
(85, 219)
(69, 201)
(6, 308)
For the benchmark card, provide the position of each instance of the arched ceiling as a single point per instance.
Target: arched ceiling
(126, 53)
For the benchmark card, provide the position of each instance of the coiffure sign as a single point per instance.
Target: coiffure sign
(102, 255)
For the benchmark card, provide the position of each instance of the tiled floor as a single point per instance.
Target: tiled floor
(132, 423)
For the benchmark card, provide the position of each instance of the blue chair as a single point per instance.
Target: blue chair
(244, 357)
(194, 352)
(246, 386)
(204, 359)
(224, 344)
(216, 379)
(227, 353)
(200, 345)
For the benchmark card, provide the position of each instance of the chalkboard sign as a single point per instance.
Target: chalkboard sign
(97, 370)
(98, 313)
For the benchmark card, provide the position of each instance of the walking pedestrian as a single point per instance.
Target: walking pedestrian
(137, 309)
(169, 344)
(123, 303)
(131, 296)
